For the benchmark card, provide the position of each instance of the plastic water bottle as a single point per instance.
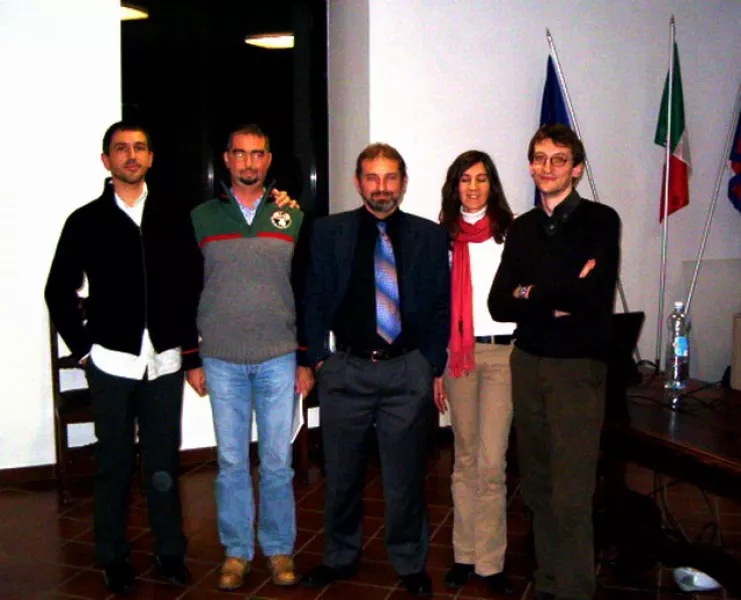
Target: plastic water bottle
(677, 370)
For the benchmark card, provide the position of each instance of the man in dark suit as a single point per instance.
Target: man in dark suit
(378, 279)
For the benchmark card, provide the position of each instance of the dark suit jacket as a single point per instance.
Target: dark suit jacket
(425, 282)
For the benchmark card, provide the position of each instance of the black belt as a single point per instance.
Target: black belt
(376, 354)
(504, 340)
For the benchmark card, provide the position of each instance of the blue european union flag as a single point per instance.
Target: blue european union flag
(553, 109)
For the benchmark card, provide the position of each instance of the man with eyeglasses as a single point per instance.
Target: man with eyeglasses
(557, 281)
(247, 320)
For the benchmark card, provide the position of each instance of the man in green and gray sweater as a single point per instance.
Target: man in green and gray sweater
(247, 320)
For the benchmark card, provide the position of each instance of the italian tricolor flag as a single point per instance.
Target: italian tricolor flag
(679, 162)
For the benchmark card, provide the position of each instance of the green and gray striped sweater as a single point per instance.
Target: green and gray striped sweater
(247, 309)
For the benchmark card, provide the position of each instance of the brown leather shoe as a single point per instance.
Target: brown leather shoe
(233, 572)
(282, 569)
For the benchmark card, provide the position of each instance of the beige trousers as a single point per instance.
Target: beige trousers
(481, 415)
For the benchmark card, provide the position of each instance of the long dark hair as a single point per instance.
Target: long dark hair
(497, 208)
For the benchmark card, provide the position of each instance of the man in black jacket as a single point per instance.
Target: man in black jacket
(135, 339)
(557, 281)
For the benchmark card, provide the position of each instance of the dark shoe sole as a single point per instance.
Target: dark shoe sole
(120, 578)
(419, 593)
(125, 590)
(462, 577)
(500, 586)
(456, 584)
(177, 574)
(419, 589)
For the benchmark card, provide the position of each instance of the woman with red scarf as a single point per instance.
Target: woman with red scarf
(477, 380)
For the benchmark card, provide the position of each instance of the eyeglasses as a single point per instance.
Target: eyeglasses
(242, 155)
(557, 160)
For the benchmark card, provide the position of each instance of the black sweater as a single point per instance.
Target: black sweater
(550, 252)
(149, 277)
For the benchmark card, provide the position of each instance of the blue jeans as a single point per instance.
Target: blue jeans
(236, 390)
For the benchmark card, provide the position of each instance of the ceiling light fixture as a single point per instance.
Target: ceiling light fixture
(129, 12)
(271, 41)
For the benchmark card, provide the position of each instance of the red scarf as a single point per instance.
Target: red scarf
(461, 359)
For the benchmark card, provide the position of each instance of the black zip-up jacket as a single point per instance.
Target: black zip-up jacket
(149, 277)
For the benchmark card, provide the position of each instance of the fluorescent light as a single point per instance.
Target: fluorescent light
(129, 12)
(271, 41)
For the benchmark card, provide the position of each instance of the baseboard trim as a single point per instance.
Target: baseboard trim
(47, 472)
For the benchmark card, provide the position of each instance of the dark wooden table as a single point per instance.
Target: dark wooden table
(696, 439)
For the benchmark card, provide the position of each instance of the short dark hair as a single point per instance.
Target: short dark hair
(248, 129)
(123, 126)
(561, 135)
(380, 150)
(497, 208)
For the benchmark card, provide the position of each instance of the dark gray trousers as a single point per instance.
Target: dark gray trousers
(120, 404)
(395, 396)
(559, 406)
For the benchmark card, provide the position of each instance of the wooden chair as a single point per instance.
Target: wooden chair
(70, 406)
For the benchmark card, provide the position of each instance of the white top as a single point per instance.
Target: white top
(130, 366)
(485, 258)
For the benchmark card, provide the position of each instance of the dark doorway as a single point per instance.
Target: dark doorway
(189, 77)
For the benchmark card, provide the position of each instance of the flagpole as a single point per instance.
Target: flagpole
(716, 192)
(572, 118)
(665, 220)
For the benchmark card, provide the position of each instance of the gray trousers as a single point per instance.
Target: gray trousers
(558, 412)
(395, 396)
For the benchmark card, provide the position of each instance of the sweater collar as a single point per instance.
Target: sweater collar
(561, 213)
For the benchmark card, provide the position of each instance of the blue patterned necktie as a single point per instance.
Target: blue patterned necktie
(388, 320)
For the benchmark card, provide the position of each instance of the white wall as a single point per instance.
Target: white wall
(60, 74)
(61, 88)
(348, 96)
(61, 82)
(432, 77)
(447, 76)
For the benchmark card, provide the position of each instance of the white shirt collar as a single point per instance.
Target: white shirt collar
(473, 217)
(136, 210)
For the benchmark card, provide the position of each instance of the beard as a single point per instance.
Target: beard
(248, 177)
(381, 202)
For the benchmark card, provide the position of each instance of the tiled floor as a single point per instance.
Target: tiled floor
(46, 550)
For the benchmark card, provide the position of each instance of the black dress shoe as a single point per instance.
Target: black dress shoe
(499, 584)
(119, 576)
(324, 575)
(172, 569)
(417, 584)
(458, 576)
